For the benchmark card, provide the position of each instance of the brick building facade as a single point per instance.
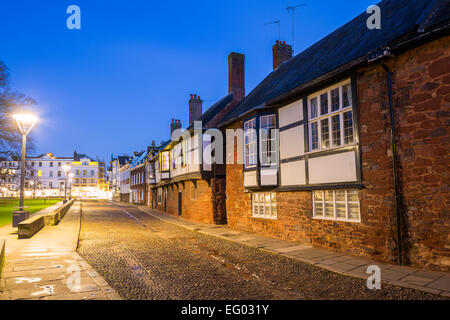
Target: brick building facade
(179, 184)
(138, 179)
(411, 225)
(345, 146)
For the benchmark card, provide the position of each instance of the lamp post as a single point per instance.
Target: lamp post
(70, 181)
(25, 122)
(66, 169)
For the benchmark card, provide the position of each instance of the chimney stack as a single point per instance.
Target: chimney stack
(195, 108)
(176, 124)
(281, 52)
(236, 75)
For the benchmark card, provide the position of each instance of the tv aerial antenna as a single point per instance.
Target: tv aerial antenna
(291, 9)
(277, 22)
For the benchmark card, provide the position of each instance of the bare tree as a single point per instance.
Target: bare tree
(10, 138)
(11, 101)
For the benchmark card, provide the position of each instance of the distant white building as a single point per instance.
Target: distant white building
(114, 178)
(45, 177)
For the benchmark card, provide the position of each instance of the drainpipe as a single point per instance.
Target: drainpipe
(397, 205)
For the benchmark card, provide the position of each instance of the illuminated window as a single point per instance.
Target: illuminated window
(264, 205)
(165, 161)
(336, 205)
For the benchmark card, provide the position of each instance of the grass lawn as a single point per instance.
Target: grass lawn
(34, 205)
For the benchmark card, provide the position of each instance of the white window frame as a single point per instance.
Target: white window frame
(328, 117)
(347, 202)
(272, 203)
(273, 139)
(250, 135)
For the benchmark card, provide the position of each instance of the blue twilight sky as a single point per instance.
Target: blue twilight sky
(114, 85)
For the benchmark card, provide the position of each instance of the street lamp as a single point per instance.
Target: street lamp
(66, 169)
(70, 181)
(25, 121)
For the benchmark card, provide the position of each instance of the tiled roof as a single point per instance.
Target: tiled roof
(139, 159)
(400, 19)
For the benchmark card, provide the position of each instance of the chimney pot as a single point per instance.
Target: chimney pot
(176, 124)
(281, 52)
(195, 108)
(236, 75)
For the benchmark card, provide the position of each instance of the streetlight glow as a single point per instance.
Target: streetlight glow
(25, 121)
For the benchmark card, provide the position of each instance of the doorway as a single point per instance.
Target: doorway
(180, 203)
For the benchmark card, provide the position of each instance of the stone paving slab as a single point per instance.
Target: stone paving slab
(47, 266)
(404, 276)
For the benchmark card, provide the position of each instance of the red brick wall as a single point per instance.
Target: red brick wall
(421, 84)
(196, 205)
(421, 101)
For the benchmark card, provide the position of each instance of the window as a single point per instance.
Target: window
(84, 172)
(332, 127)
(268, 140)
(59, 173)
(51, 164)
(59, 164)
(32, 164)
(250, 140)
(40, 164)
(184, 147)
(165, 161)
(50, 184)
(336, 205)
(264, 205)
(50, 174)
(92, 172)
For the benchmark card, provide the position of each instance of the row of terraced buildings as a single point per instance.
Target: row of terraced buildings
(343, 146)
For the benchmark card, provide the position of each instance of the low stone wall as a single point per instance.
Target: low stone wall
(31, 226)
(51, 219)
(2, 255)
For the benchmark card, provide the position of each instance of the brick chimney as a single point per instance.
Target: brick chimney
(176, 124)
(281, 52)
(236, 75)
(195, 108)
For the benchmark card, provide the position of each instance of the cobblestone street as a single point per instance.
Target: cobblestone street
(145, 258)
